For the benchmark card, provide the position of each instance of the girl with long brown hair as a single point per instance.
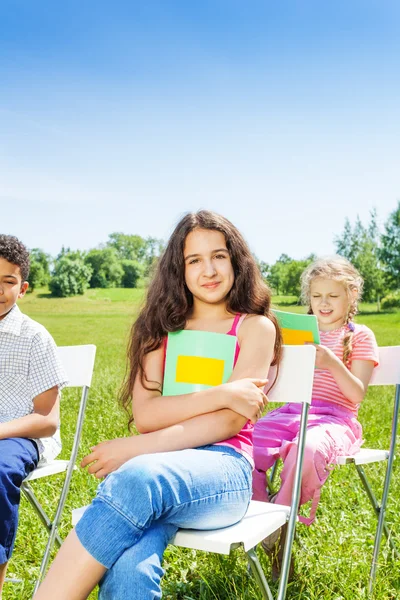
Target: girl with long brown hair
(192, 465)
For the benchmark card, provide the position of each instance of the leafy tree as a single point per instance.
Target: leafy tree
(154, 248)
(107, 270)
(132, 272)
(277, 274)
(71, 275)
(128, 247)
(360, 245)
(39, 272)
(390, 250)
(291, 278)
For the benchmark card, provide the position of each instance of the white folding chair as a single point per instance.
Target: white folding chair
(78, 362)
(294, 384)
(387, 373)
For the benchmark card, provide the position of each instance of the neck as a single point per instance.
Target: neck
(210, 312)
(331, 326)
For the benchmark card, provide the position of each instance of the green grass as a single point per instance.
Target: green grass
(332, 557)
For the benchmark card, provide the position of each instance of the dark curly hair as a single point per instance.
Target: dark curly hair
(16, 253)
(169, 301)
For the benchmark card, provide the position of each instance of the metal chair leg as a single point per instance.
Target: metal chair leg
(30, 496)
(381, 517)
(377, 507)
(259, 574)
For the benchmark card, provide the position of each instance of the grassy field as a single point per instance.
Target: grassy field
(332, 557)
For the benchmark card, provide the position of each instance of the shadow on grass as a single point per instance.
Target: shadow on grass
(47, 295)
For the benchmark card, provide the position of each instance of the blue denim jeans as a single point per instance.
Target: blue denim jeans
(140, 507)
(18, 457)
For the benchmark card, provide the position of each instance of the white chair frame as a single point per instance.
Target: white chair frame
(78, 362)
(294, 384)
(386, 373)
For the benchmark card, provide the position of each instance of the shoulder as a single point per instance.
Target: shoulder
(255, 326)
(36, 335)
(31, 328)
(362, 332)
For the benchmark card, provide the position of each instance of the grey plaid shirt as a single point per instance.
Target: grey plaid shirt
(29, 365)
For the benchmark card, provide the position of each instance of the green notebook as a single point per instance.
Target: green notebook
(297, 329)
(197, 360)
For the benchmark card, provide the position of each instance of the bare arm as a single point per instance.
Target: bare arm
(43, 422)
(354, 383)
(218, 426)
(215, 426)
(152, 411)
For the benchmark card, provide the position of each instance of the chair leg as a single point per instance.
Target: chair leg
(30, 496)
(259, 574)
(380, 514)
(53, 531)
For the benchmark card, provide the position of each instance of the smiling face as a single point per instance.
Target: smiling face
(11, 286)
(208, 269)
(329, 302)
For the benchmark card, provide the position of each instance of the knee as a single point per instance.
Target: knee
(139, 476)
(315, 460)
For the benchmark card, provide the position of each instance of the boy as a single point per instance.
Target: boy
(31, 377)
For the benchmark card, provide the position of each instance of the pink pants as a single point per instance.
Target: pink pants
(332, 431)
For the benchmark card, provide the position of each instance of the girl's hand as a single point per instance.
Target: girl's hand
(107, 457)
(246, 397)
(324, 358)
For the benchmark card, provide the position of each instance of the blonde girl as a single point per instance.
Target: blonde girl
(192, 465)
(345, 359)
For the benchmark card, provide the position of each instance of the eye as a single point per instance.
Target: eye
(193, 261)
(220, 256)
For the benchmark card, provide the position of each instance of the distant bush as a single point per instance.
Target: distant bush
(106, 267)
(39, 272)
(392, 300)
(132, 273)
(71, 276)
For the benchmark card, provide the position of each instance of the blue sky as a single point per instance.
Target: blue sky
(283, 116)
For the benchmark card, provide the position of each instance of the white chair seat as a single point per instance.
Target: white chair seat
(261, 520)
(364, 456)
(56, 466)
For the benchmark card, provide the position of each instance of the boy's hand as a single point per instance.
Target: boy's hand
(107, 457)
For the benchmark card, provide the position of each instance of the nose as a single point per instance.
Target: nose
(209, 268)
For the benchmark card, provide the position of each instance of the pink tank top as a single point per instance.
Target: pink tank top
(242, 442)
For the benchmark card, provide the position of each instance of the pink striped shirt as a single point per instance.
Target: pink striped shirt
(364, 347)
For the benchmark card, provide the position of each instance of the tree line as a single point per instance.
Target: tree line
(127, 260)
(374, 253)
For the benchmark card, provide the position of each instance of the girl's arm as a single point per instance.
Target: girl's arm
(255, 357)
(152, 411)
(213, 427)
(354, 383)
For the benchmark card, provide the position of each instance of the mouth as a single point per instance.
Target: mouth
(325, 313)
(211, 286)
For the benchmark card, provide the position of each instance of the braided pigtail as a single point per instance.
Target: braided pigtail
(348, 337)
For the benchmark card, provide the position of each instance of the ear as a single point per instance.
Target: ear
(354, 293)
(23, 290)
